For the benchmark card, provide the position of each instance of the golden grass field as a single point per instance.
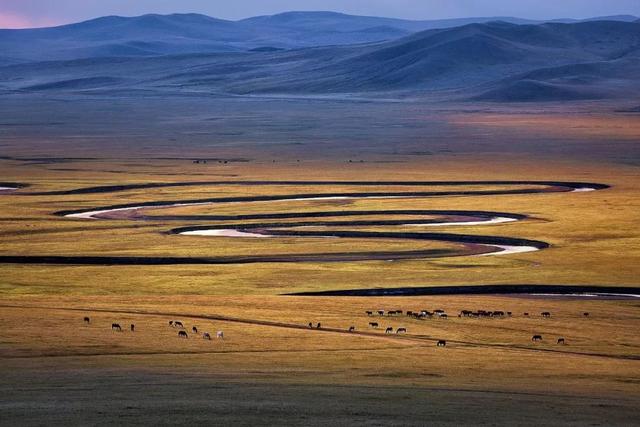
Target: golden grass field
(271, 368)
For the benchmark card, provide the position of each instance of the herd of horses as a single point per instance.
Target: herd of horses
(420, 315)
(182, 333)
(439, 313)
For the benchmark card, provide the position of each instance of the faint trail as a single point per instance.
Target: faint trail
(284, 325)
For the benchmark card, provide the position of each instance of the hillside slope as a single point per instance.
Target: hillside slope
(152, 35)
(496, 61)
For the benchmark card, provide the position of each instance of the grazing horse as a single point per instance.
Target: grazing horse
(409, 313)
(401, 331)
(369, 313)
(182, 334)
(443, 316)
(310, 325)
(319, 325)
(536, 338)
(116, 327)
(206, 336)
(381, 312)
(195, 330)
(178, 324)
(220, 335)
(133, 327)
(545, 314)
(87, 320)
(170, 322)
(373, 324)
(441, 343)
(561, 341)
(389, 330)
(585, 314)
(352, 329)
(526, 314)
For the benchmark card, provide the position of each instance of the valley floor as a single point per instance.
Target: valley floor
(271, 367)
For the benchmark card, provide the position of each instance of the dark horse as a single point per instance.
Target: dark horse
(116, 327)
(441, 343)
(195, 330)
(389, 330)
(373, 324)
(182, 334)
(133, 327)
(536, 338)
(87, 320)
(401, 331)
(561, 341)
(352, 329)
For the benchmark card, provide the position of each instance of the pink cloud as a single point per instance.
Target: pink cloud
(10, 20)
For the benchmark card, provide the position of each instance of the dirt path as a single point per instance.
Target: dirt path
(394, 337)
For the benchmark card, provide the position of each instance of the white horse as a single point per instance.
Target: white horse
(220, 334)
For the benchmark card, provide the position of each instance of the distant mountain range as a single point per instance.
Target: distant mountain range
(324, 53)
(151, 35)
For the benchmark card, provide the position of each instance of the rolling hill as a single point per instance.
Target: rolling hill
(153, 35)
(493, 61)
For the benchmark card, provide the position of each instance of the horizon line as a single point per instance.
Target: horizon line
(497, 17)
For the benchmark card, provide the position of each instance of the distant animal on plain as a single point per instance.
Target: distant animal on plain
(389, 330)
(381, 312)
(182, 334)
(401, 331)
(87, 320)
(443, 316)
(526, 315)
(178, 324)
(206, 336)
(441, 343)
(195, 330)
(409, 313)
(220, 335)
(133, 327)
(585, 314)
(170, 322)
(319, 325)
(545, 314)
(373, 324)
(116, 327)
(352, 329)
(536, 338)
(369, 313)
(310, 325)
(561, 341)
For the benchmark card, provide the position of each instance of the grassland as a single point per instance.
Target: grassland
(271, 368)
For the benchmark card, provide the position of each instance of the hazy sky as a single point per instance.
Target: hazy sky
(28, 13)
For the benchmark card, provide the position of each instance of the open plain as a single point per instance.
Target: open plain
(315, 171)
